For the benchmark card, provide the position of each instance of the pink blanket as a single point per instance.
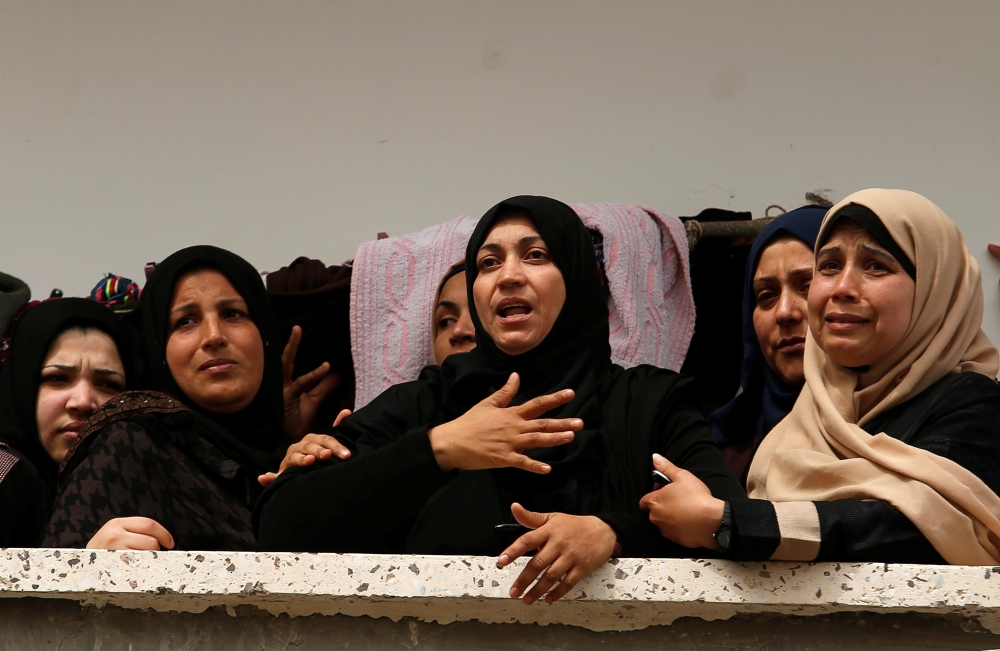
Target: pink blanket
(646, 262)
(395, 279)
(392, 290)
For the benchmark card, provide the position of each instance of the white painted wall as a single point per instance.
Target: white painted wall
(131, 128)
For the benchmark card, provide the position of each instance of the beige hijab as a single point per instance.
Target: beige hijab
(819, 451)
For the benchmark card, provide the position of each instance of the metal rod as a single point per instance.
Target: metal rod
(697, 230)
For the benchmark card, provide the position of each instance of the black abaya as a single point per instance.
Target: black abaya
(391, 495)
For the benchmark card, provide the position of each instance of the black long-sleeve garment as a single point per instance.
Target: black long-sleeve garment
(392, 497)
(957, 418)
(25, 499)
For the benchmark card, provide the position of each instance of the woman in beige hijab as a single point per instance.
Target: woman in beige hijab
(892, 450)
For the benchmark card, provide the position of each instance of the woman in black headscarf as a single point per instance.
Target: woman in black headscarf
(67, 357)
(437, 464)
(188, 454)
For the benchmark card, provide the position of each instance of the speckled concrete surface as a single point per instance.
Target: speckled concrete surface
(31, 624)
(628, 594)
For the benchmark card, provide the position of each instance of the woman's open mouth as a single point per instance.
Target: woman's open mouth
(513, 310)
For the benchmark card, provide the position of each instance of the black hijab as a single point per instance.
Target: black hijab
(575, 354)
(21, 376)
(254, 435)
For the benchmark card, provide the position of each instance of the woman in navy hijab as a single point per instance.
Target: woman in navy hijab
(779, 270)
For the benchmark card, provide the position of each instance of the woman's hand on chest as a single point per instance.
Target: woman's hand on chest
(493, 435)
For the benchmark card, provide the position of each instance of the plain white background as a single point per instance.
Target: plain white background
(129, 129)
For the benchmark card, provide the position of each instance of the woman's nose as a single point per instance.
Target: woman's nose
(213, 333)
(846, 285)
(83, 399)
(511, 273)
(463, 329)
(791, 308)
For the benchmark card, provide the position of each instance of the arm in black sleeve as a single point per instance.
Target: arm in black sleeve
(849, 530)
(682, 435)
(956, 420)
(22, 503)
(353, 505)
(693, 448)
(871, 531)
(357, 504)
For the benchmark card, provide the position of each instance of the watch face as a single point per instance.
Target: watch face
(722, 539)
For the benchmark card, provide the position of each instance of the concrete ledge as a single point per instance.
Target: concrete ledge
(628, 594)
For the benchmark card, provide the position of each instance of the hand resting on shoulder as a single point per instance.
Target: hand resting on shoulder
(311, 448)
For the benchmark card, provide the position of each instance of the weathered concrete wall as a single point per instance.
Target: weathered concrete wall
(47, 624)
(70, 599)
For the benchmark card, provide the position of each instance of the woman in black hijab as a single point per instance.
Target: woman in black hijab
(67, 357)
(444, 464)
(188, 454)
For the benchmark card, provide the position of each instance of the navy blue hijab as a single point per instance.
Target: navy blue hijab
(765, 398)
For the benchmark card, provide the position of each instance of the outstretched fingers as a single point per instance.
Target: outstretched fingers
(553, 425)
(538, 406)
(515, 460)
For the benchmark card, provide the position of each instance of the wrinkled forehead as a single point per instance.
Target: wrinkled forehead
(83, 343)
(201, 281)
(510, 229)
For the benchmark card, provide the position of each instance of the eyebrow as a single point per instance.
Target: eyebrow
(62, 367)
(794, 273)
(871, 250)
(192, 305)
(879, 253)
(450, 304)
(74, 368)
(493, 246)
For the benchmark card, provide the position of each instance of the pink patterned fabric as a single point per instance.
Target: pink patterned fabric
(392, 290)
(646, 262)
(394, 282)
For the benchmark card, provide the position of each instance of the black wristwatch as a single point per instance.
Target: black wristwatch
(724, 534)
